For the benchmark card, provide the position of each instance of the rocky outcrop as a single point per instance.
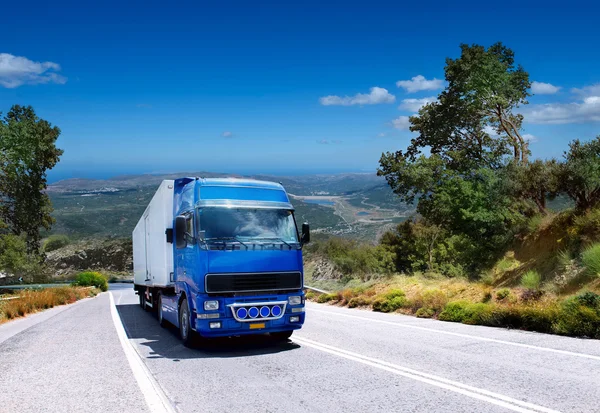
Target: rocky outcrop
(114, 255)
(325, 270)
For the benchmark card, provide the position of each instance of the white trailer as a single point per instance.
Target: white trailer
(152, 254)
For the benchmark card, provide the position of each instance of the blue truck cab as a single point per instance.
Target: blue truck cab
(236, 260)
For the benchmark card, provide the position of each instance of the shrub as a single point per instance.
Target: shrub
(589, 299)
(454, 311)
(468, 313)
(531, 280)
(359, 302)
(325, 298)
(91, 279)
(433, 299)
(310, 295)
(390, 301)
(591, 259)
(578, 318)
(55, 242)
(502, 294)
(425, 312)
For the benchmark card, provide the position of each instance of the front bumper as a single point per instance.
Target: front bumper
(233, 326)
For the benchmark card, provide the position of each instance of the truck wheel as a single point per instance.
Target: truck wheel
(185, 330)
(282, 335)
(159, 311)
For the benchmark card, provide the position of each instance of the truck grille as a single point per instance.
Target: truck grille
(233, 283)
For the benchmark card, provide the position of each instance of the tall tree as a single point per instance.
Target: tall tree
(579, 175)
(27, 151)
(474, 119)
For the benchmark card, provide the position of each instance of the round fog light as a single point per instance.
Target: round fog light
(242, 312)
(253, 312)
(264, 311)
(276, 311)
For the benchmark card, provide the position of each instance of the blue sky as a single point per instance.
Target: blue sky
(277, 87)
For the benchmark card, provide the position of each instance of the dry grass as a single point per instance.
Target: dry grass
(31, 301)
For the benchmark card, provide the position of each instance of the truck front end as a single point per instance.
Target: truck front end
(242, 264)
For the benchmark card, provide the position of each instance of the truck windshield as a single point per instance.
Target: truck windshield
(247, 224)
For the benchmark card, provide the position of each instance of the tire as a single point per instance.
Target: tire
(185, 330)
(159, 311)
(282, 335)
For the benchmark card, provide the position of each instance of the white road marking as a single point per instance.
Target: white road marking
(451, 333)
(457, 387)
(155, 397)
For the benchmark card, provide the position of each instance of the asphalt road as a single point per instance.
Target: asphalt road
(341, 361)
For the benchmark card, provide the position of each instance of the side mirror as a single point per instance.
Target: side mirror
(305, 233)
(180, 227)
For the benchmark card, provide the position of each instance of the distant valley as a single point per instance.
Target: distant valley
(355, 205)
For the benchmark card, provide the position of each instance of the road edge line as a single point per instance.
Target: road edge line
(155, 397)
(470, 336)
(460, 388)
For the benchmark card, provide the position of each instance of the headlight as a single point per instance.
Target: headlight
(211, 305)
(294, 300)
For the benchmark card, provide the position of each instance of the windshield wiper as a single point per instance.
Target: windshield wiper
(224, 239)
(275, 239)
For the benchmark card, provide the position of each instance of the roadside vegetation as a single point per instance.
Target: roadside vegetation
(27, 151)
(91, 279)
(21, 303)
(486, 246)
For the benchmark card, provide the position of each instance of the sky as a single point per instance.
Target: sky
(281, 87)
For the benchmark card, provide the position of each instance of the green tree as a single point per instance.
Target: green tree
(579, 175)
(27, 151)
(535, 182)
(473, 122)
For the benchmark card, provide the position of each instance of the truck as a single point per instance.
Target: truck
(219, 257)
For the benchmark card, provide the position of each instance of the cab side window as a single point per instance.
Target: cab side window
(189, 229)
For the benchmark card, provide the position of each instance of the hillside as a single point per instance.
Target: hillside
(355, 205)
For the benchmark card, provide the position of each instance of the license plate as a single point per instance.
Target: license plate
(255, 326)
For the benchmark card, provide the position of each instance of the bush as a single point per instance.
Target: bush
(55, 242)
(502, 294)
(390, 301)
(468, 313)
(432, 299)
(91, 279)
(591, 259)
(425, 312)
(325, 298)
(359, 302)
(579, 316)
(531, 280)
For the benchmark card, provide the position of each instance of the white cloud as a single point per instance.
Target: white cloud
(414, 105)
(227, 134)
(16, 71)
(327, 142)
(419, 83)
(375, 96)
(593, 90)
(530, 138)
(587, 110)
(381, 135)
(401, 123)
(540, 88)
